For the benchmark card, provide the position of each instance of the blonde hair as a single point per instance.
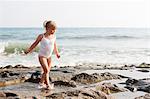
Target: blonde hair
(49, 23)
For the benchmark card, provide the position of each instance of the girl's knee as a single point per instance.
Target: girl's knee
(46, 71)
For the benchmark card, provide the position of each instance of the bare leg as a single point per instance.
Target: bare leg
(45, 75)
(49, 63)
(49, 68)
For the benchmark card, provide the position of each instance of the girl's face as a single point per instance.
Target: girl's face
(51, 29)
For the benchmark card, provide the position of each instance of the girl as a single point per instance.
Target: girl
(48, 44)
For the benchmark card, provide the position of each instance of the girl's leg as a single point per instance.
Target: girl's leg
(49, 68)
(49, 63)
(45, 75)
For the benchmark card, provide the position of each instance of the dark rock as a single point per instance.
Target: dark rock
(6, 74)
(63, 70)
(65, 83)
(146, 96)
(66, 71)
(122, 76)
(55, 96)
(20, 66)
(131, 81)
(35, 77)
(8, 67)
(131, 88)
(140, 85)
(143, 70)
(79, 94)
(8, 95)
(85, 78)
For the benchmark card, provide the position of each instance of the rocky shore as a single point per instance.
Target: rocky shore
(86, 81)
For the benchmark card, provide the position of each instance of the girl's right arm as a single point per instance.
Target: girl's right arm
(36, 42)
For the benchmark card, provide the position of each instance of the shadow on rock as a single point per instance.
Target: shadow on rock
(138, 85)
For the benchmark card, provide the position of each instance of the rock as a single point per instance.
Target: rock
(5, 74)
(108, 76)
(8, 95)
(140, 85)
(11, 77)
(131, 81)
(65, 83)
(20, 66)
(64, 70)
(55, 96)
(131, 88)
(143, 70)
(8, 67)
(13, 81)
(79, 94)
(35, 77)
(143, 65)
(146, 96)
(109, 88)
(85, 78)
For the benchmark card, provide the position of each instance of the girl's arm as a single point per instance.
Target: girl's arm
(56, 50)
(36, 42)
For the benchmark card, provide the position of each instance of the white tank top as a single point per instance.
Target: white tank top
(47, 46)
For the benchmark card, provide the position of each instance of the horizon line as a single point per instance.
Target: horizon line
(75, 27)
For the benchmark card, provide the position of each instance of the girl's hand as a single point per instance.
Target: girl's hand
(26, 52)
(58, 56)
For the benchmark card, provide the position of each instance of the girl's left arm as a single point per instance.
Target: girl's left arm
(56, 50)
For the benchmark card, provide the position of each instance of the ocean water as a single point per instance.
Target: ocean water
(78, 46)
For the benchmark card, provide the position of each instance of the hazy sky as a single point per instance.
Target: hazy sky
(75, 13)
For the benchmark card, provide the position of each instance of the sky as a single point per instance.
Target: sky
(75, 13)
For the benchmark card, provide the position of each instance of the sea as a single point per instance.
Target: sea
(78, 46)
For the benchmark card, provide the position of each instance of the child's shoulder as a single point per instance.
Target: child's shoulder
(40, 36)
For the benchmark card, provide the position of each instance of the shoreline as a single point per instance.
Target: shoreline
(82, 81)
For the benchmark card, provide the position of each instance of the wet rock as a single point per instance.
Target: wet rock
(108, 76)
(20, 66)
(79, 94)
(35, 77)
(55, 96)
(8, 95)
(131, 81)
(5, 74)
(143, 70)
(143, 65)
(146, 96)
(63, 70)
(12, 81)
(109, 88)
(65, 83)
(8, 67)
(131, 88)
(85, 78)
(139, 85)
